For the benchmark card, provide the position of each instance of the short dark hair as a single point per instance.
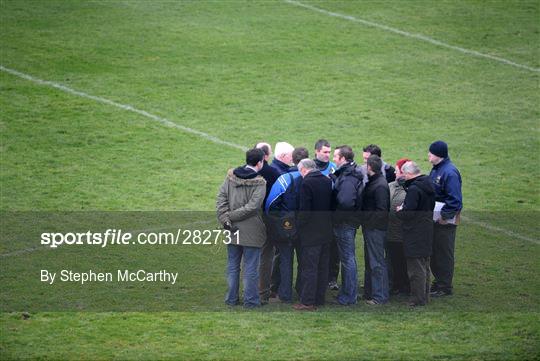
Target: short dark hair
(375, 163)
(298, 154)
(254, 156)
(373, 149)
(321, 143)
(346, 152)
(265, 149)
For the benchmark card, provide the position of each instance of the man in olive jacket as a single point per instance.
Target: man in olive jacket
(239, 210)
(417, 216)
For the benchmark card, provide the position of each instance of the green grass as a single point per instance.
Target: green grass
(244, 72)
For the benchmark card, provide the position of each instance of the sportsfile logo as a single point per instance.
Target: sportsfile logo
(119, 237)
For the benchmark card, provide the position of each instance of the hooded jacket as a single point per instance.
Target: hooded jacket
(417, 217)
(240, 202)
(347, 179)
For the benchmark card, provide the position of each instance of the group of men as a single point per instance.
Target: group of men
(314, 207)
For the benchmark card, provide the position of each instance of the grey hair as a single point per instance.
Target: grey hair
(410, 168)
(308, 164)
(282, 148)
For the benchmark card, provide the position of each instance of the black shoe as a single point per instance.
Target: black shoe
(440, 293)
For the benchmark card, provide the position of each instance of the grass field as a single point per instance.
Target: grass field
(243, 72)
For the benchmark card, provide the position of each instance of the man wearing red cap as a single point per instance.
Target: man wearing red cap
(397, 270)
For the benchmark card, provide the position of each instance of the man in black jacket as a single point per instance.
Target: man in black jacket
(315, 234)
(270, 175)
(347, 181)
(417, 216)
(375, 208)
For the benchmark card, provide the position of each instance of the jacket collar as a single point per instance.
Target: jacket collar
(314, 173)
(444, 161)
(374, 177)
(320, 164)
(279, 164)
(345, 168)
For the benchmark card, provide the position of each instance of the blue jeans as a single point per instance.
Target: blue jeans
(251, 275)
(376, 272)
(285, 271)
(345, 237)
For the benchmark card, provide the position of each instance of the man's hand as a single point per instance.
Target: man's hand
(229, 227)
(442, 221)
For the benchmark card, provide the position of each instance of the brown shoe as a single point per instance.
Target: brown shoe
(302, 307)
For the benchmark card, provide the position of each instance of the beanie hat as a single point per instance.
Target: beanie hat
(402, 161)
(439, 148)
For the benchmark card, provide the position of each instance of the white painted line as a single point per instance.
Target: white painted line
(500, 230)
(414, 36)
(124, 107)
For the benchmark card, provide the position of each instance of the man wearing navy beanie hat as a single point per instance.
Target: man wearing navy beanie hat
(439, 148)
(447, 182)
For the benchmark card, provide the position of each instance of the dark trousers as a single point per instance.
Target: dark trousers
(314, 272)
(276, 273)
(442, 257)
(265, 269)
(397, 272)
(298, 282)
(419, 277)
(333, 269)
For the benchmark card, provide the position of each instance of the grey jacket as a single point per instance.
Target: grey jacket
(397, 196)
(240, 202)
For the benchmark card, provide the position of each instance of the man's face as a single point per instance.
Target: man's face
(338, 159)
(366, 155)
(369, 170)
(324, 154)
(287, 158)
(407, 176)
(398, 173)
(433, 159)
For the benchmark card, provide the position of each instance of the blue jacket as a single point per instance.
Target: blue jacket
(447, 182)
(329, 169)
(279, 187)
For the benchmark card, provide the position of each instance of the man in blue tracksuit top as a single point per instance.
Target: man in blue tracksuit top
(269, 274)
(279, 200)
(447, 182)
